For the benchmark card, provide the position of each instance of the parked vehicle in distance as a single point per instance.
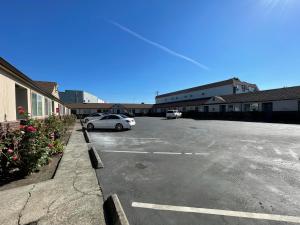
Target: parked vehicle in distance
(93, 117)
(173, 114)
(111, 121)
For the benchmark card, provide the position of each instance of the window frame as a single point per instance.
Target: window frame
(33, 104)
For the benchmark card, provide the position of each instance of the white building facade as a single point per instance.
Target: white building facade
(226, 87)
(78, 96)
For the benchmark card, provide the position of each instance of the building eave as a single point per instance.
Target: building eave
(21, 77)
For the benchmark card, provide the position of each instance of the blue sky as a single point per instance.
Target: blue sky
(125, 51)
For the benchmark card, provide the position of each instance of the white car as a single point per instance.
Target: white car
(93, 117)
(173, 114)
(111, 121)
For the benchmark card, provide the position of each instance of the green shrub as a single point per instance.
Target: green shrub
(31, 146)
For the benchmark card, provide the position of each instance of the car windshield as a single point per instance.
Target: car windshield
(124, 116)
(171, 111)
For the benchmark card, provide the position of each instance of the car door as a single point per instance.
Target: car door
(101, 123)
(112, 121)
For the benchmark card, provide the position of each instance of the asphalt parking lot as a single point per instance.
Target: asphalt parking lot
(189, 172)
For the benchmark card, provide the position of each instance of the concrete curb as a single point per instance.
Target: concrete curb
(95, 158)
(86, 136)
(114, 211)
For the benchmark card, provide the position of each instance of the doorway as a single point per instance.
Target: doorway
(21, 100)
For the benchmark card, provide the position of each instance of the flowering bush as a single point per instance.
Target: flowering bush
(32, 145)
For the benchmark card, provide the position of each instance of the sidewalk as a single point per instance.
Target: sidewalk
(72, 197)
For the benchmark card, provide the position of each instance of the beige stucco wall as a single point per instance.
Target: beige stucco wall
(7, 98)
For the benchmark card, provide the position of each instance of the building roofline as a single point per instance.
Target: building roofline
(24, 78)
(233, 80)
(106, 105)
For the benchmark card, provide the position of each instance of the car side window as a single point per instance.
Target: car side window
(113, 117)
(105, 118)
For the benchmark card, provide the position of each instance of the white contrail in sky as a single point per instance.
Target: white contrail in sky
(157, 45)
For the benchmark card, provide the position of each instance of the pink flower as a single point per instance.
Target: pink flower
(10, 151)
(22, 127)
(21, 110)
(50, 145)
(15, 157)
(31, 129)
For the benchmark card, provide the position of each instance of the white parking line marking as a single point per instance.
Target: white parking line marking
(250, 141)
(211, 144)
(260, 216)
(160, 153)
(201, 153)
(135, 138)
(125, 151)
(168, 153)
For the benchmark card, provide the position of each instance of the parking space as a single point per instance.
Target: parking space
(203, 172)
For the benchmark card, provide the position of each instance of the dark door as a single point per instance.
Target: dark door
(206, 108)
(267, 107)
(222, 108)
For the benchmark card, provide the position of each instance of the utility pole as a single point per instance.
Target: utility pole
(157, 92)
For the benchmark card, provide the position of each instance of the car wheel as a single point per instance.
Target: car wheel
(119, 127)
(90, 126)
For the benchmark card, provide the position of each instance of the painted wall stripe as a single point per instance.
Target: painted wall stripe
(260, 216)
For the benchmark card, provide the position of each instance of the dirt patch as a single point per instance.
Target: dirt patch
(45, 173)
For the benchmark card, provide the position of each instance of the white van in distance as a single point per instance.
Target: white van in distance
(173, 114)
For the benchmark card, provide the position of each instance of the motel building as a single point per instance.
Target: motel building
(83, 109)
(40, 99)
(230, 95)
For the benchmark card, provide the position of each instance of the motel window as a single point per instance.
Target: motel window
(39, 105)
(243, 88)
(230, 108)
(50, 107)
(46, 107)
(53, 109)
(36, 104)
